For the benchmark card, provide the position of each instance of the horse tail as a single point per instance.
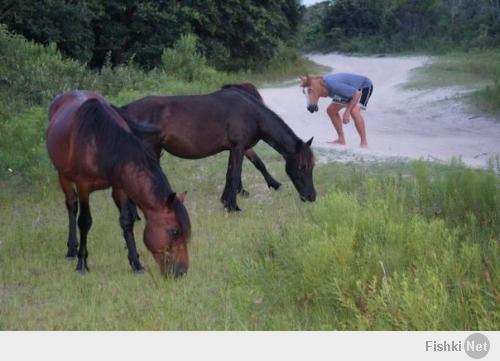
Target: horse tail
(141, 130)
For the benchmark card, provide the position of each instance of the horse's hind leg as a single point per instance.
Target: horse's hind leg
(72, 207)
(233, 180)
(84, 223)
(259, 164)
(127, 218)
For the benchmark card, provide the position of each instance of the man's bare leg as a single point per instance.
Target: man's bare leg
(333, 112)
(360, 125)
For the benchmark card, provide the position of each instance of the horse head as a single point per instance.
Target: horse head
(299, 167)
(166, 235)
(313, 89)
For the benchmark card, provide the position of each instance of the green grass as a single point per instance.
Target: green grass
(478, 71)
(390, 246)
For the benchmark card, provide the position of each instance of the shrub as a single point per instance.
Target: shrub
(184, 61)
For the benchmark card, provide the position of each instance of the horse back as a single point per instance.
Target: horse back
(70, 156)
(197, 126)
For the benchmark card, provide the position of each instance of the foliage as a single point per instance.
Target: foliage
(235, 34)
(401, 25)
(32, 74)
(184, 61)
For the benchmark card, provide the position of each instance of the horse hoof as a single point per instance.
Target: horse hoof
(232, 209)
(139, 271)
(71, 255)
(244, 193)
(81, 267)
(81, 270)
(274, 185)
(137, 267)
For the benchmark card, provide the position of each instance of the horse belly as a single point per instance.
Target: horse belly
(195, 144)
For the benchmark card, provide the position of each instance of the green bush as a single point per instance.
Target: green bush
(183, 61)
(31, 74)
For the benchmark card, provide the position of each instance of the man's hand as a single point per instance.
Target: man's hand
(346, 117)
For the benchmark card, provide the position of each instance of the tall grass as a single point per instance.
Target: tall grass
(373, 252)
(384, 260)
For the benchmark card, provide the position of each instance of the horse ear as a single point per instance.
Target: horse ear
(309, 142)
(304, 79)
(171, 199)
(182, 196)
(298, 145)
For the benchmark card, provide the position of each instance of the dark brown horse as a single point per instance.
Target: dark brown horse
(93, 147)
(233, 118)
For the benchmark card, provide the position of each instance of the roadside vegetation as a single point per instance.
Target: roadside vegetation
(478, 71)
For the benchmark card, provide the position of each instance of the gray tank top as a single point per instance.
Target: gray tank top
(345, 84)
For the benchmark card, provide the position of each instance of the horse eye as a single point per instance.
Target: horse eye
(173, 232)
(303, 90)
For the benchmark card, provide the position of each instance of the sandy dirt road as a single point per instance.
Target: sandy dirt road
(418, 124)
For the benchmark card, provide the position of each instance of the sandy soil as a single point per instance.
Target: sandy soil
(427, 124)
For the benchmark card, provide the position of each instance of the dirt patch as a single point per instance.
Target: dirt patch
(419, 124)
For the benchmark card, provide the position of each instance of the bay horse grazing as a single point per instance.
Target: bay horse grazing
(92, 148)
(233, 119)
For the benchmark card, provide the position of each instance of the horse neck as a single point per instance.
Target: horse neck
(278, 135)
(325, 93)
(139, 184)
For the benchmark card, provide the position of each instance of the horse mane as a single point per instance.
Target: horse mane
(116, 146)
(305, 156)
(246, 87)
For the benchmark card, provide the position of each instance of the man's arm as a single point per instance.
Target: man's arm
(350, 106)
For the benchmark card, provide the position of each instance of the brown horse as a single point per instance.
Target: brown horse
(233, 118)
(93, 147)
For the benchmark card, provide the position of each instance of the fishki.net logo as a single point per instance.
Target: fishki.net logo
(475, 346)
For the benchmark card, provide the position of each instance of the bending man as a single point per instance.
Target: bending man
(349, 91)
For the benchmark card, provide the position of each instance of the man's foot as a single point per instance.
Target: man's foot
(364, 145)
(338, 141)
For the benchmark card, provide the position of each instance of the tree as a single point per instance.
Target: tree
(234, 34)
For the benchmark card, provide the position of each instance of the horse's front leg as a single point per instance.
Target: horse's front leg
(72, 207)
(127, 218)
(233, 179)
(259, 164)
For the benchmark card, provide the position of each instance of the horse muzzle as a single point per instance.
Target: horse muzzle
(311, 197)
(312, 108)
